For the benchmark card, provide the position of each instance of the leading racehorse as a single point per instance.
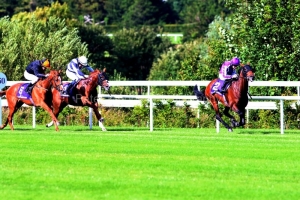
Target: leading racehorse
(16, 96)
(84, 94)
(236, 97)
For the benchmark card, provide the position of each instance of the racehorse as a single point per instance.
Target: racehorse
(236, 97)
(16, 96)
(85, 93)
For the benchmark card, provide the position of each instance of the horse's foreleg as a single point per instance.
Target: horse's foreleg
(94, 106)
(242, 117)
(54, 119)
(56, 112)
(232, 119)
(98, 115)
(241, 113)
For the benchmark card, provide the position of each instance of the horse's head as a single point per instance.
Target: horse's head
(55, 79)
(101, 78)
(247, 72)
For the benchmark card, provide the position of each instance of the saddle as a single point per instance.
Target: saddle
(68, 90)
(22, 92)
(218, 85)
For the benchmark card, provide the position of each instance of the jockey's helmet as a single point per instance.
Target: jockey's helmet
(82, 60)
(45, 63)
(235, 61)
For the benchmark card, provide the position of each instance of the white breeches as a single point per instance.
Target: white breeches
(31, 77)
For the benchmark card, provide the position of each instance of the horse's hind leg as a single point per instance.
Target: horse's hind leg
(13, 106)
(218, 115)
(233, 121)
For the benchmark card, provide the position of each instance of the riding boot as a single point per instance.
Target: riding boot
(29, 88)
(65, 92)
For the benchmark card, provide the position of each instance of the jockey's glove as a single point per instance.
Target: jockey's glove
(234, 76)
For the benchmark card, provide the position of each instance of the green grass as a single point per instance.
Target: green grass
(131, 163)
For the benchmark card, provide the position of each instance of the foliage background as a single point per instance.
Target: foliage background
(263, 33)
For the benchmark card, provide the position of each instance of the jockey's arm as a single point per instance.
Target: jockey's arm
(80, 74)
(89, 68)
(37, 73)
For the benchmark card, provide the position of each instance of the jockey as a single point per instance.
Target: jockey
(74, 72)
(34, 71)
(228, 72)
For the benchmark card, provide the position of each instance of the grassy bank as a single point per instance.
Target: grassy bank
(130, 163)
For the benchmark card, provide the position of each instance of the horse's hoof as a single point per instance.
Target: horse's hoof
(104, 129)
(234, 124)
(230, 130)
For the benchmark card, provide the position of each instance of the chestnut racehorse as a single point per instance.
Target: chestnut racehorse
(236, 97)
(38, 96)
(85, 93)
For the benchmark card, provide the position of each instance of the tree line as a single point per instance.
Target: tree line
(264, 33)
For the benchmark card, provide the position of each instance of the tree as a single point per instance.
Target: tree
(22, 43)
(136, 49)
(7, 7)
(196, 60)
(267, 35)
(42, 14)
(140, 13)
(116, 9)
(99, 46)
(197, 15)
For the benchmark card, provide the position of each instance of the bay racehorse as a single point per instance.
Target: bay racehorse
(16, 96)
(84, 94)
(236, 97)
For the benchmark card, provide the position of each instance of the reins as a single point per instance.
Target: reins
(52, 86)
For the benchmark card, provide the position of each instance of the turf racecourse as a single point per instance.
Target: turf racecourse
(130, 163)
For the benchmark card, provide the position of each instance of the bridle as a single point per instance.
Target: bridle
(245, 69)
(55, 79)
(101, 78)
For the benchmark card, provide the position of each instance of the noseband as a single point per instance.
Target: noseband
(101, 77)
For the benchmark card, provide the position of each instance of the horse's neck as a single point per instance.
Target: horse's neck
(44, 83)
(92, 84)
(241, 85)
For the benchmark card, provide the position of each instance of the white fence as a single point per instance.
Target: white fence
(120, 100)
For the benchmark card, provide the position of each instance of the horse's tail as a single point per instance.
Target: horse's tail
(2, 93)
(200, 95)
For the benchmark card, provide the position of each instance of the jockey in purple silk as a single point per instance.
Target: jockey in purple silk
(228, 72)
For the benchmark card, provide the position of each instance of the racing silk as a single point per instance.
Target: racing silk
(73, 67)
(36, 69)
(226, 71)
